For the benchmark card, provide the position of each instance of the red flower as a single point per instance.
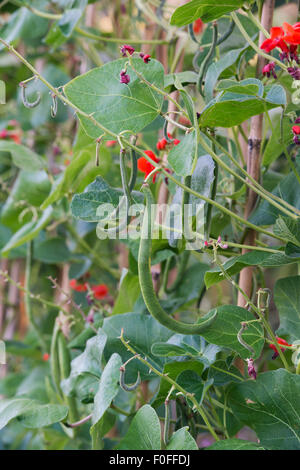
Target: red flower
(46, 357)
(276, 40)
(100, 291)
(78, 287)
(296, 130)
(145, 166)
(127, 48)
(10, 135)
(111, 143)
(292, 33)
(146, 57)
(198, 26)
(279, 341)
(176, 141)
(161, 144)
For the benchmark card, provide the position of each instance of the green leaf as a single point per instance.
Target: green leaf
(185, 78)
(230, 109)
(287, 300)
(142, 331)
(168, 350)
(89, 362)
(234, 444)
(129, 292)
(193, 383)
(288, 189)
(28, 232)
(116, 106)
(10, 409)
(225, 328)
(173, 370)
(222, 373)
(215, 70)
(274, 148)
(84, 206)
(270, 406)
(70, 19)
(207, 10)
(253, 258)
(144, 431)
(289, 229)
(43, 415)
(108, 387)
(182, 440)
(52, 251)
(182, 156)
(22, 157)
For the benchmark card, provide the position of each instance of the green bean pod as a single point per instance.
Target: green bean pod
(145, 278)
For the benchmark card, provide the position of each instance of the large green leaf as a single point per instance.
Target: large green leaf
(215, 70)
(289, 229)
(118, 107)
(253, 258)
(144, 431)
(85, 206)
(230, 109)
(22, 156)
(270, 406)
(10, 409)
(182, 156)
(289, 190)
(108, 388)
(30, 413)
(43, 415)
(173, 370)
(142, 331)
(287, 300)
(234, 444)
(225, 328)
(87, 363)
(207, 10)
(182, 440)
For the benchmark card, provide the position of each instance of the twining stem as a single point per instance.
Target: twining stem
(222, 208)
(253, 184)
(87, 34)
(28, 297)
(172, 383)
(37, 297)
(254, 308)
(155, 88)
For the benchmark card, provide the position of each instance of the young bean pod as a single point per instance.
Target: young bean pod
(145, 278)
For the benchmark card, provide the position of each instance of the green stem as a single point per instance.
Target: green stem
(255, 309)
(174, 384)
(28, 297)
(254, 185)
(253, 45)
(223, 209)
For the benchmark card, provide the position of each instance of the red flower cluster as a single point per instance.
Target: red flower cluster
(11, 134)
(161, 144)
(198, 26)
(125, 50)
(99, 291)
(111, 143)
(296, 131)
(46, 357)
(287, 38)
(279, 341)
(145, 166)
